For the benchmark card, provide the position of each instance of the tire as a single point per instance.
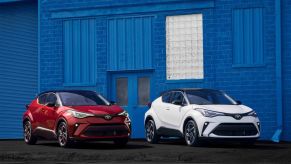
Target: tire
(121, 142)
(191, 133)
(151, 132)
(29, 138)
(63, 136)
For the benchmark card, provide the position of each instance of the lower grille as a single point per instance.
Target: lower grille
(229, 129)
(106, 130)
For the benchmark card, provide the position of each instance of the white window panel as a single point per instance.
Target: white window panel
(184, 41)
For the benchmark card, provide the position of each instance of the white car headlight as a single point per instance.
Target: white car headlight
(124, 113)
(79, 114)
(209, 113)
(253, 113)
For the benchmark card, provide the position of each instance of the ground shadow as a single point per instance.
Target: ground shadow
(99, 145)
(259, 145)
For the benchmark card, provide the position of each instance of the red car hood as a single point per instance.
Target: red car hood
(100, 109)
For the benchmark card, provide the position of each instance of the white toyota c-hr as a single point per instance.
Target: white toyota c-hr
(200, 113)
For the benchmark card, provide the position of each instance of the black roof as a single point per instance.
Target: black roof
(64, 90)
(189, 89)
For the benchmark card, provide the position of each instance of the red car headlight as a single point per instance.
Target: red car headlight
(77, 114)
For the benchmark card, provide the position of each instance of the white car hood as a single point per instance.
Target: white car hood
(232, 109)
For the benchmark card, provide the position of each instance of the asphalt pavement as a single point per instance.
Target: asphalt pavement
(138, 151)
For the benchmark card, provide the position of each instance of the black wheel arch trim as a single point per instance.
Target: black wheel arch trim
(186, 120)
(149, 117)
(61, 119)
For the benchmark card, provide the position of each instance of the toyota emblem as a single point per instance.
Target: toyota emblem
(237, 116)
(107, 117)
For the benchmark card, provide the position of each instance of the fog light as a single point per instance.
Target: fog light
(259, 126)
(204, 127)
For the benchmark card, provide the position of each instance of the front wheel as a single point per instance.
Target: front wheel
(151, 132)
(63, 136)
(191, 133)
(29, 138)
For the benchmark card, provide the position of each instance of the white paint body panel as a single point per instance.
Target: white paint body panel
(173, 117)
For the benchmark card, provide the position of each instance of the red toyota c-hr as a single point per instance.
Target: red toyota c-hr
(72, 115)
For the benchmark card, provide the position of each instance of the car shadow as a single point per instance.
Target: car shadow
(259, 145)
(99, 145)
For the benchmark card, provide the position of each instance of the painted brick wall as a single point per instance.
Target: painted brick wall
(254, 86)
(286, 59)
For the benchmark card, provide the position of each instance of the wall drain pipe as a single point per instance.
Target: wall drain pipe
(279, 107)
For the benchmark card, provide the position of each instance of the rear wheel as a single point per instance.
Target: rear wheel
(191, 133)
(151, 132)
(29, 138)
(121, 142)
(63, 136)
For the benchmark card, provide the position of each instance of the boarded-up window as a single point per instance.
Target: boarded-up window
(248, 37)
(79, 52)
(130, 43)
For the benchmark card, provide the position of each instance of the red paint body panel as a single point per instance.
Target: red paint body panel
(47, 118)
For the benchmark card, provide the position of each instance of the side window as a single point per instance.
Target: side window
(51, 98)
(166, 98)
(178, 97)
(42, 99)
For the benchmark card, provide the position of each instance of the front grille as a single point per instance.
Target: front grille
(106, 130)
(230, 129)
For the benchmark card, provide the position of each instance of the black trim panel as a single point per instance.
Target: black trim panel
(167, 132)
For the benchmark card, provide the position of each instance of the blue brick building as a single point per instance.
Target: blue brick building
(130, 51)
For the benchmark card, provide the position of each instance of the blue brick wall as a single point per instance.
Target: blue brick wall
(286, 61)
(254, 86)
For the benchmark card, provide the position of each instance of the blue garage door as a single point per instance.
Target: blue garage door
(18, 64)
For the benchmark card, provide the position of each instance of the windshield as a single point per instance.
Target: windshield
(82, 98)
(209, 97)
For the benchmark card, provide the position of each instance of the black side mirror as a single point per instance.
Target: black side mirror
(51, 104)
(26, 106)
(177, 102)
(238, 102)
(112, 103)
(149, 104)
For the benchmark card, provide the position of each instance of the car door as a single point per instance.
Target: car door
(162, 108)
(49, 112)
(173, 115)
(37, 112)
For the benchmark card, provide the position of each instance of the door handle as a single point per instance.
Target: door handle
(167, 108)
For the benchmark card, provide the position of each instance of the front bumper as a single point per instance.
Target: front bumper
(228, 127)
(98, 128)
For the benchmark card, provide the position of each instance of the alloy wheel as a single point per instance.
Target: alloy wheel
(190, 133)
(150, 131)
(27, 132)
(62, 134)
